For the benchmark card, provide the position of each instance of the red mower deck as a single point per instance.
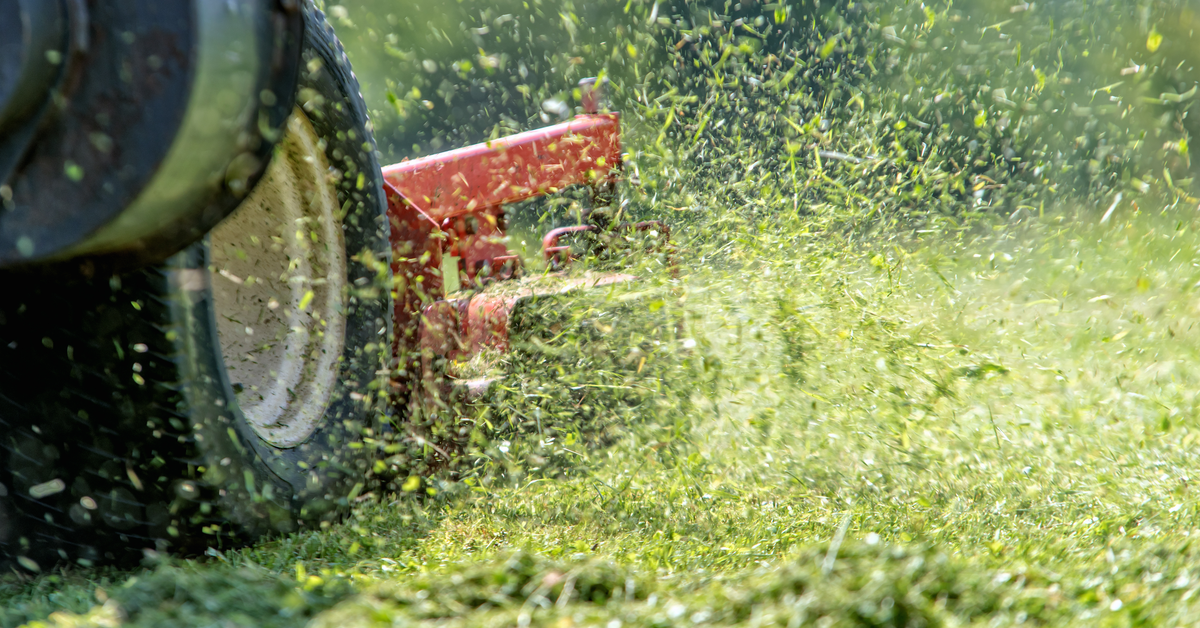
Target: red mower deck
(448, 228)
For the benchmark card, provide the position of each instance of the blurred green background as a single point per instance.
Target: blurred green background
(1084, 97)
(438, 74)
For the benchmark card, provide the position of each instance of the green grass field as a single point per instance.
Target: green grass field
(983, 426)
(901, 395)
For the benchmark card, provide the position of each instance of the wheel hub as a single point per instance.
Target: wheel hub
(128, 129)
(279, 278)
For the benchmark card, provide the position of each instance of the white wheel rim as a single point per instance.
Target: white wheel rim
(279, 278)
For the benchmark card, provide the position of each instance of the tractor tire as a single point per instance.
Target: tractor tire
(231, 392)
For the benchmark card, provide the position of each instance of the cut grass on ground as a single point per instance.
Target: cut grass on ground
(985, 427)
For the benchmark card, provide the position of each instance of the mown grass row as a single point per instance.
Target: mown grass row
(997, 426)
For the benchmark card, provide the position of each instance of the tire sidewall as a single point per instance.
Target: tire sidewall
(119, 427)
(266, 491)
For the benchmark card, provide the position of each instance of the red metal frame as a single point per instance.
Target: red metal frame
(464, 191)
(510, 169)
(450, 206)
